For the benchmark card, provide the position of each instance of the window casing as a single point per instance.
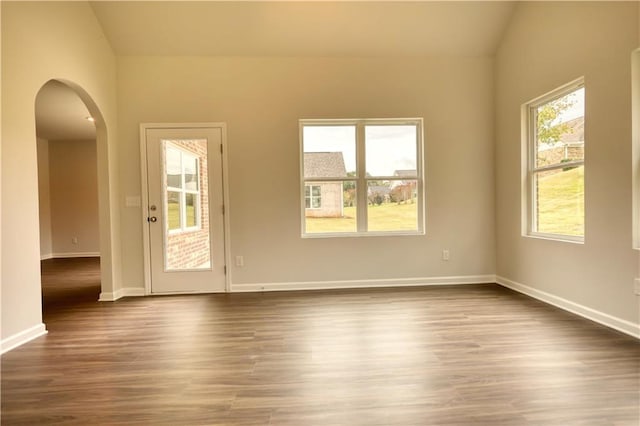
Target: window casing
(379, 188)
(182, 189)
(553, 164)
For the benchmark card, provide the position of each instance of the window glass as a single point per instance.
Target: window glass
(190, 173)
(329, 151)
(173, 210)
(174, 167)
(380, 156)
(556, 164)
(391, 150)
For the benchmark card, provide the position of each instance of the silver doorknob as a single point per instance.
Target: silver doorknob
(152, 219)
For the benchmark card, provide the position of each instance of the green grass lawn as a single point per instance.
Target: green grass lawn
(174, 216)
(385, 217)
(561, 202)
(560, 210)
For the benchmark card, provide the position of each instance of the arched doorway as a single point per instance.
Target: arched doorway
(68, 126)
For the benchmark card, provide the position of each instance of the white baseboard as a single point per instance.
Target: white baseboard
(22, 337)
(123, 292)
(398, 282)
(619, 324)
(69, 255)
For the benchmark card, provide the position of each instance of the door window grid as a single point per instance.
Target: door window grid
(182, 190)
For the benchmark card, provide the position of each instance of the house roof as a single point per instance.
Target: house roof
(576, 134)
(324, 164)
(406, 172)
(380, 189)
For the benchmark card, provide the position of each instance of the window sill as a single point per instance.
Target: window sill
(554, 237)
(364, 234)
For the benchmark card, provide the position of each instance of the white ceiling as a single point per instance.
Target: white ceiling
(294, 28)
(61, 114)
(269, 28)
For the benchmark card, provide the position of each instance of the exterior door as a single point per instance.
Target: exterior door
(185, 210)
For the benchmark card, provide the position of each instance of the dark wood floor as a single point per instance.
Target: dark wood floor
(416, 356)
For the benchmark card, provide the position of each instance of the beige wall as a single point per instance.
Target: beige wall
(547, 45)
(262, 99)
(42, 41)
(44, 199)
(74, 198)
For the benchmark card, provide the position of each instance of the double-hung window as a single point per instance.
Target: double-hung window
(182, 189)
(361, 177)
(554, 148)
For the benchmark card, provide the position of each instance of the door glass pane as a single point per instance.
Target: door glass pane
(190, 172)
(173, 210)
(186, 236)
(173, 167)
(393, 205)
(191, 217)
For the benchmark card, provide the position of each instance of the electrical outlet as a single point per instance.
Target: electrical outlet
(636, 286)
(445, 254)
(239, 261)
(74, 240)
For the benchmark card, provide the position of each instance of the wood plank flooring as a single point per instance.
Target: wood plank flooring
(454, 355)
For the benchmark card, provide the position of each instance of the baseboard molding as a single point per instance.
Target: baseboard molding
(69, 255)
(22, 337)
(119, 294)
(619, 324)
(328, 285)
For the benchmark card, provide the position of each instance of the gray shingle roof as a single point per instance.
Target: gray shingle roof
(405, 172)
(576, 134)
(324, 164)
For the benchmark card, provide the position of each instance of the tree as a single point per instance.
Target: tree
(549, 129)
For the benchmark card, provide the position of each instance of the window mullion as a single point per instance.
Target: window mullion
(183, 198)
(533, 187)
(361, 183)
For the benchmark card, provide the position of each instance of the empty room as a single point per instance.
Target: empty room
(320, 212)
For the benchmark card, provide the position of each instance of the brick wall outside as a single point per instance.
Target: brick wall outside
(557, 154)
(190, 249)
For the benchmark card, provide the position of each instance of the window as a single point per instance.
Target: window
(555, 164)
(313, 196)
(182, 190)
(635, 147)
(361, 177)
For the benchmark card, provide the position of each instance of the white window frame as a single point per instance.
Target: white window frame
(182, 193)
(311, 196)
(362, 180)
(635, 147)
(530, 169)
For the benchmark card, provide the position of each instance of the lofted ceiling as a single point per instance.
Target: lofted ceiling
(61, 114)
(301, 28)
(277, 28)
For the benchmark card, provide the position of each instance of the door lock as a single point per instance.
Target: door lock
(152, 219)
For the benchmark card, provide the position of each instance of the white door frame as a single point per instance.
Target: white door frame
(145, 196)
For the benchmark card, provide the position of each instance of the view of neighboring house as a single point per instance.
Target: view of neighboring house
(324, 199)
(569, 147)
(404, 190)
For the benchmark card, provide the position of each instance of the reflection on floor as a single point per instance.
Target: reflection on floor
(68, 282)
